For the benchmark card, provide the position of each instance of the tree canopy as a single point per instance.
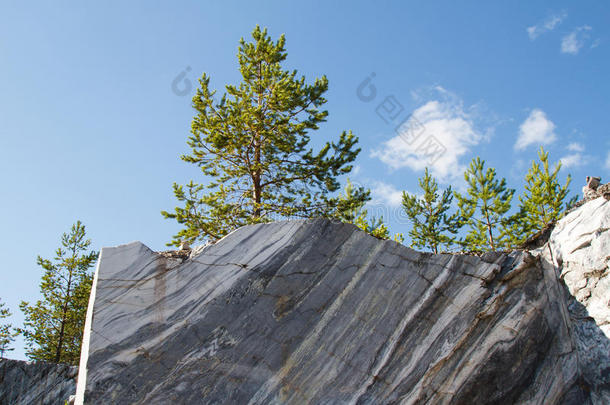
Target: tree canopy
(252, 146)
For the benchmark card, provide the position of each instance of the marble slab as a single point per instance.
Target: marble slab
(319, 312)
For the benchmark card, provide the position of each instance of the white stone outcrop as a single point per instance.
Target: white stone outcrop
(579, 247)
(581, 242)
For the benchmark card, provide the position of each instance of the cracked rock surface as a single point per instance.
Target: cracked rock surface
(26, 383)
(320, 312)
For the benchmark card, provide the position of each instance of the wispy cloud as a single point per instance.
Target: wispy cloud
(575, 40)
(576, 147)
(574, 160)
(537, 129)
(447, 121)
(577, 157)
(608, 161)
(596, 43)
(386, 194)
(549, 24)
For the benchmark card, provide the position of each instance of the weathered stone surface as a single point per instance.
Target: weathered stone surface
(27, 383)
(320, 312)
(580, 249)
(593, 190)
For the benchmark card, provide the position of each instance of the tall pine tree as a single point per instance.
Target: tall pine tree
(543, 201)
(484, 209)
(432, 227)
(54, 325)
(253, 146)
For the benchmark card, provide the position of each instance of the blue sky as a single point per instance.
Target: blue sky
(94, 112)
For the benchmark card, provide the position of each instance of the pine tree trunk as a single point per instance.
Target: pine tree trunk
(491, 238)
(544, 220)
(257, 182)
(256, 187)
(434, 244)
(64, 315)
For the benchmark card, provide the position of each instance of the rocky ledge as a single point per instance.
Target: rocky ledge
(26, 383)
(320, 312)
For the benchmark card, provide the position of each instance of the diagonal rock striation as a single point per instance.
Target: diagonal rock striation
(27, 382)
(320, 312)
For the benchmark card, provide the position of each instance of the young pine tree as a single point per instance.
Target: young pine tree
(54, 325)
(7, 334)
(253, 146)
(484, 209)
(432, 228)
(543, 201)
(352, 211)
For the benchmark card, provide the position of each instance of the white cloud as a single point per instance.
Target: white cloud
(576, 147)
(596, 43)
(437, 135)
(608, 161)
(577, 158)
(547, 25)
(574, 160)
(536, 129)
(384, 193)
(575, 40)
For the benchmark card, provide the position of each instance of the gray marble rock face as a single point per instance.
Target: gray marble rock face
(27, 383)
(320, 312)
